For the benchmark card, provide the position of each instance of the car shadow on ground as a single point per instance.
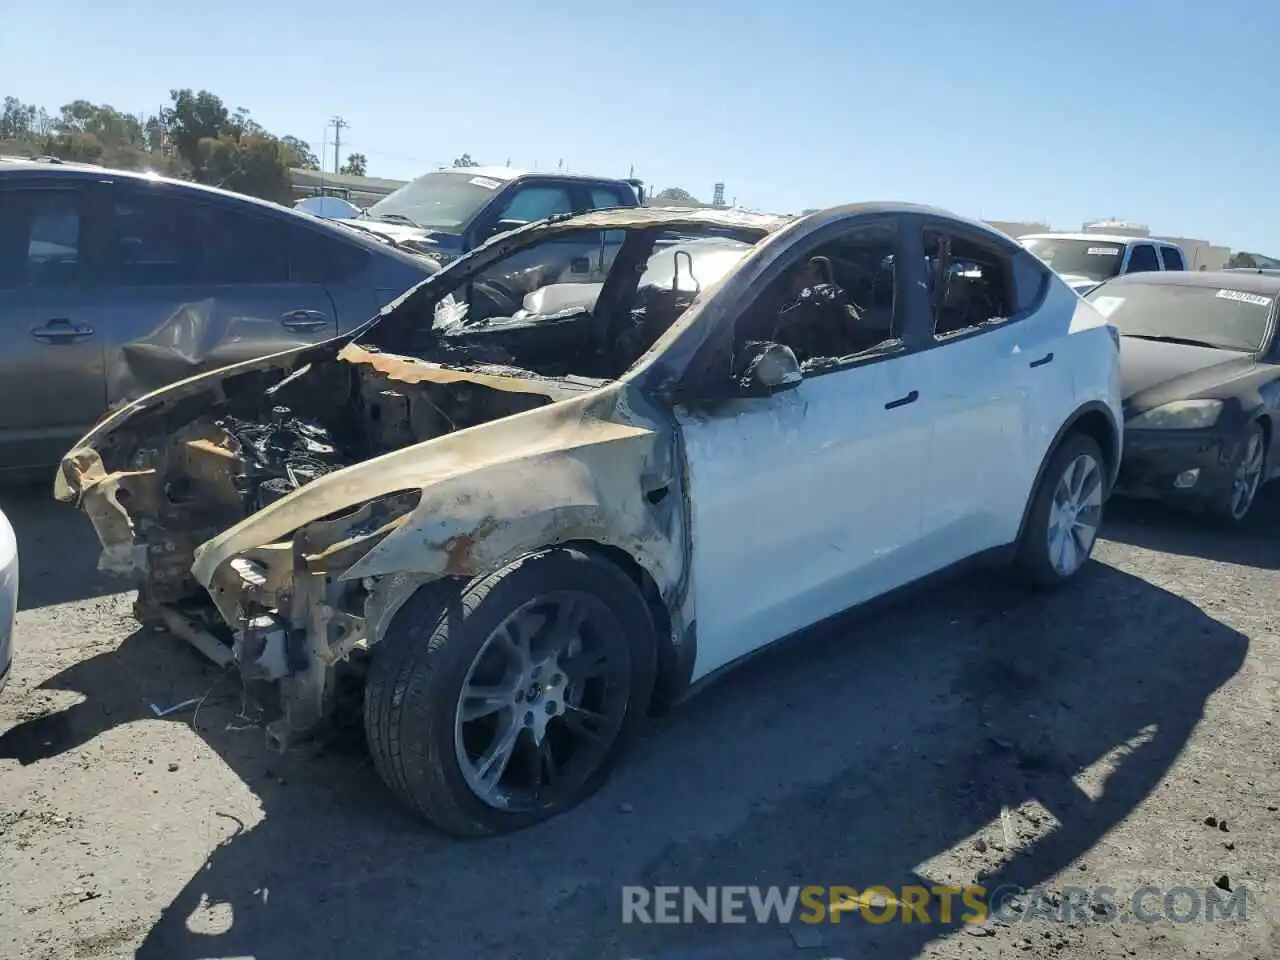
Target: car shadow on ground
(57, 548)
(1157, 526)
(852, 757)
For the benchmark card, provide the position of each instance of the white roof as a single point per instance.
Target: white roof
(1099, 237)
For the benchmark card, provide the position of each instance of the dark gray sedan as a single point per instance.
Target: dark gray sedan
(113, 284)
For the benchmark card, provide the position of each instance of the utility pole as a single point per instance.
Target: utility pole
(338, 123)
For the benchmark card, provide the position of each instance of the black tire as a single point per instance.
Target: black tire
(1032, 560)
(1220, 509)
(421, 663)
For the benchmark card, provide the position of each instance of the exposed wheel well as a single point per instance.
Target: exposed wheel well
(667, 682)
(1095, 425)
(1092, 423)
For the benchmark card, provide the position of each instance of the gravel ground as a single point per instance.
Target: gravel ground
(1110, 721)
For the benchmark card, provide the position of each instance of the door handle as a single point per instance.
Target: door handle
(304, 320)
(61, 330)
(911, 397)
(1047, 358)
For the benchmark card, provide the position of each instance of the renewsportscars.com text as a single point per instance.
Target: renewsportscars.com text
(933, 904)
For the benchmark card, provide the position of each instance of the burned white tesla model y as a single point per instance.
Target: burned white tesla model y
(546, 492)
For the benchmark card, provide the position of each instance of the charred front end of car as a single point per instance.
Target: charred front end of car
(279, 513)
(235, 512)
(299, 621)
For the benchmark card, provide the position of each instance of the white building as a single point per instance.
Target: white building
(1019, 228)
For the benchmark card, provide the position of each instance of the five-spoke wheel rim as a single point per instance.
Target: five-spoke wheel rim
(543, 701)
(1248, 476)
(1075, 514)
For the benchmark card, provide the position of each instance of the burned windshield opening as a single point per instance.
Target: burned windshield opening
(584, 303)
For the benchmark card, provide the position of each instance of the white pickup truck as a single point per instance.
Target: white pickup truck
(1085, 260)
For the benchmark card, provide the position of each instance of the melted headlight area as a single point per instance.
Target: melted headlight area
(296, 620)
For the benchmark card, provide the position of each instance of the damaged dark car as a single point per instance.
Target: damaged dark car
(487, 510)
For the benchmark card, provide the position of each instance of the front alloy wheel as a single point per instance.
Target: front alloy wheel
(1247, 476)
(1075, 514)
(1064, 514)
(543, 701)
(494, 704)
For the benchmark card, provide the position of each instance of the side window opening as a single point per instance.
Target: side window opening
(836, 305)
(1143, 259)
(970, 284)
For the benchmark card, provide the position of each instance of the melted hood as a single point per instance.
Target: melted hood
(523, 444)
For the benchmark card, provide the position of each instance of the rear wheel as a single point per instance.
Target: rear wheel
(1066, 512)
(1247, 474)
(506, 702)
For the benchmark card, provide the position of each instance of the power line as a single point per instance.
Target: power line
(337, 123)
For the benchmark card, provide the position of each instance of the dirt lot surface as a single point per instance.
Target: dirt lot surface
(1110, 721)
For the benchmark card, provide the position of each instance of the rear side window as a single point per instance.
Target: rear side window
(40, 238)
(316, 257)
(972, 289)
(1030, 277)
(160, 239)
(1143, 259)
(1172, 258)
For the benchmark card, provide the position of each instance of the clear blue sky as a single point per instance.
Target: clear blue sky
(1161, 111)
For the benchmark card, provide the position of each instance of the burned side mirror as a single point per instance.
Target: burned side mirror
(763, 368)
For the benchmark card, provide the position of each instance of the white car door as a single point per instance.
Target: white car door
(804, 503)
(997, 381)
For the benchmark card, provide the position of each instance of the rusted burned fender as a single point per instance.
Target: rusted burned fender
(587, 468)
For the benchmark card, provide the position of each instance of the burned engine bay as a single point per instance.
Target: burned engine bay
(240, 457)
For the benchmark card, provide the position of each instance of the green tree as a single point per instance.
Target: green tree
(73, 145)
(302, 154)
(356, 165)
(676, 197)
(17, 119)
(192, 118)
(240, 124)
(254, 163)
(1242, 259)
(465, 161)
(112, 127)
